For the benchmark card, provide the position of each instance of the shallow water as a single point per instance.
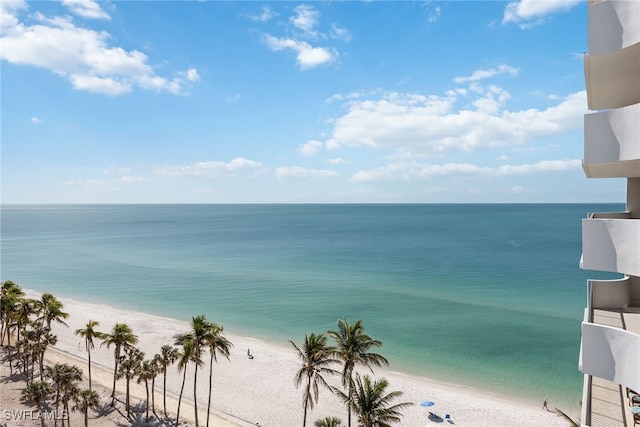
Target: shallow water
(489, 296)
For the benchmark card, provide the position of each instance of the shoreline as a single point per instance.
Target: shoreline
(262, 391)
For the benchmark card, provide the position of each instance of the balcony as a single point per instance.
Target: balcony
(611, 242)
(611, 147)
(612, 78)
(612, 25)
(609, 351)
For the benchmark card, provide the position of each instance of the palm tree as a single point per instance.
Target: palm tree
(50, 309)
(156, 364)
(197, 338)
(372, 404)
(10, 294)
(183, 362)
(24, 309)
(146, 372)
(217, 344)
(37, 392)
(89, 333)
(54, 373)
(34, 342)
(86, 400)
(168, 356)
(65, 380)
(328, 422)
(121, 336)
(30, 348)
(129, 368)
(316, 356)
(353, 347)
(46, 340)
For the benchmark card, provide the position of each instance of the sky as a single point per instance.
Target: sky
(295, 102)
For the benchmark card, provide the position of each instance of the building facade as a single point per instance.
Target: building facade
(610, 346)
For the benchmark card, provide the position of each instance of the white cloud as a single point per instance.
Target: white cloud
(416, 171)
(8, 11)
(36, 120)
(81, 55)
(305, 19)
(296, 172)
(540, 167)
(209, 168)
(528, 13)
(265, 15)
(485, 74)
(337, 161)
(310, 149)
(434, 16)
(234, 98)
(86, 8)
(340, 33)
(114, 170)
(111, 184)
(427, 125)
(350, 96)
(307, 55)
(191, 75)
(103, 85)
(303, 35)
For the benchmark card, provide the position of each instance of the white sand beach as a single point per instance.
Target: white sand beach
(261, 391)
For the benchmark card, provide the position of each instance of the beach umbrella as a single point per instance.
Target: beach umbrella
(427, 403)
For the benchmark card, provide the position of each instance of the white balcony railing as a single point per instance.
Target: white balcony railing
(610, 242)
(612, 78)
(611, 147)
(608, 295)
(610, 353)
(613, 25)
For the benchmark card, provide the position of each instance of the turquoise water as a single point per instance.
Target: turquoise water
(488, 296)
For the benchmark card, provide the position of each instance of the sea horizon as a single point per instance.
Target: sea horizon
(491, 298)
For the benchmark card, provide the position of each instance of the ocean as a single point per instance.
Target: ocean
(488, 296)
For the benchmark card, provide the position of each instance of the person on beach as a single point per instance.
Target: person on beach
(544, 405)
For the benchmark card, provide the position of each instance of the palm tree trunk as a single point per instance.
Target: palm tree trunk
(41, 414)
(146, 385)
(184, 377)
(306, 401)
(195, 399)
(55, 420)
(113, 390)
(33, 367)
(164, 390)
(86, 417)
(66, 411)
(153, 396)
(10, 352)
(210, 385)
(89, 354)
(127, 398)
(42, 364)
(349, 406)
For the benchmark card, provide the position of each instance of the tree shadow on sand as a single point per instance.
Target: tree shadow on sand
(137, 418)
(104, 409)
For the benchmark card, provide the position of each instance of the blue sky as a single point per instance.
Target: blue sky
(287, 102)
